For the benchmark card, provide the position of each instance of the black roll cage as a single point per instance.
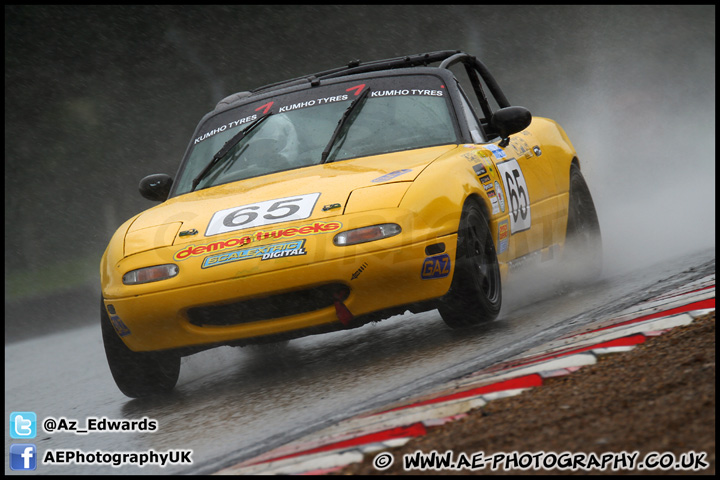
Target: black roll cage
(447, 58)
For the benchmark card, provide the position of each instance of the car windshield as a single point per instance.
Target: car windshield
(294, 130)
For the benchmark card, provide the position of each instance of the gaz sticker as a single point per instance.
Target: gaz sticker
(436, 267)
(262, 213)
(119, 326)
(516, 194)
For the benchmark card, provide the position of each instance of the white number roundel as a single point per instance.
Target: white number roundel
(516, 193)
(262, 213)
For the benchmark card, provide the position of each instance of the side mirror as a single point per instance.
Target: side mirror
(510, 120)
(156, 187)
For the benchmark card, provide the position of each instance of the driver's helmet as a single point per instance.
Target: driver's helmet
(279, 138)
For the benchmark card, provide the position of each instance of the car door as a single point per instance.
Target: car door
(525, 196)
(528, 185)
(527, 191)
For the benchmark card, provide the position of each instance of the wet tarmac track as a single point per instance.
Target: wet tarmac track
(231, 404)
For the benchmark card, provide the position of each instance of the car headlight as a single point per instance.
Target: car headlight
(366, 234)
(150, 274)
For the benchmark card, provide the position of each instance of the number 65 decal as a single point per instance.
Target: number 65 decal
(262, 213)
(517, 195)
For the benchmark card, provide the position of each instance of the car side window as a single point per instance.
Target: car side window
(476, 131)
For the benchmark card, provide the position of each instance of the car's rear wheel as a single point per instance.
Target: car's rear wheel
(583, 242)
(137, 374)
(475, 294)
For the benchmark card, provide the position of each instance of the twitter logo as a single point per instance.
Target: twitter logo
(23, 425)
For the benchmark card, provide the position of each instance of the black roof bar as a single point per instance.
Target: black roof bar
(472, 61)
(447, 58)
(355, 66)
(423, 59)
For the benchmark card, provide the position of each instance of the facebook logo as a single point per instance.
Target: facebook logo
(23, 425)
(23, 456)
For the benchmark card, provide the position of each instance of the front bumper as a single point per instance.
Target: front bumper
(376, 280)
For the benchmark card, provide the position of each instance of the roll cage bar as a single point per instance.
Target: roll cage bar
(447, 58)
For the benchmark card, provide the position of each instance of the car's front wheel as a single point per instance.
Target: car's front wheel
(475, 294)
(137, 374)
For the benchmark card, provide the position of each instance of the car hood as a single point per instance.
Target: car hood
(185, 218)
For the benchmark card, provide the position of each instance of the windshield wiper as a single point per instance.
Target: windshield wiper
(342, 122)
(226, 148)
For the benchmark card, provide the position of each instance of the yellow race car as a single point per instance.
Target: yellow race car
(328, 201)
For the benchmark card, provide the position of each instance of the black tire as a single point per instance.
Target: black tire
(475, 294)
(583, 242)
(137, 374)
